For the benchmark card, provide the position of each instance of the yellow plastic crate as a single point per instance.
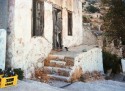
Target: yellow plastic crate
(1, 76)
(8, 81)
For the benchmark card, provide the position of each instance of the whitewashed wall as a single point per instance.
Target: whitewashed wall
(25, 51)
(90, 60)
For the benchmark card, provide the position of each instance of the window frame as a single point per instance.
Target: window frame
(70, 23)
(34, 17)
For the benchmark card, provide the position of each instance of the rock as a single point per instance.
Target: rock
(40, 65)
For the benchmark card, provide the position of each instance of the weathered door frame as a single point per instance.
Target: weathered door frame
(54, 20)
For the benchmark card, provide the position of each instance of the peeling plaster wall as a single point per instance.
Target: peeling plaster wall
(27, 52)
(90, 61)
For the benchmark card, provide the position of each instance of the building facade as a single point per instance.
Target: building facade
(35, 27)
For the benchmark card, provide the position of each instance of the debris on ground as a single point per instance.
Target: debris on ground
(91, 76)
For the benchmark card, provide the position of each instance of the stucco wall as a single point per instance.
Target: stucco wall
(27, 52)
(90, 60)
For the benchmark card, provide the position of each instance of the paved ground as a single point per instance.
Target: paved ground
(31, 86)
(97, 86)
(77, 86)
(119, 77)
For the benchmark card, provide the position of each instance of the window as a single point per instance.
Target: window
(69, 23)
(38, 18)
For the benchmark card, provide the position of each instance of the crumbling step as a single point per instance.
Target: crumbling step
(59, 78)
(54, 57)
(69, 61)
(57, 71)
(60, 63)
(57, 63)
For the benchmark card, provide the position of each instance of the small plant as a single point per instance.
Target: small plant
(86, 19)
(111, 61)
(84, 50)
(20, 73)
(92, 9)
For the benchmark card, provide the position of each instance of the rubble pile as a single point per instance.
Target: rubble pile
(91, 76)
(41, 75)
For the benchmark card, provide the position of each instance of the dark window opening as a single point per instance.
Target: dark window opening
(38, 18)
(69, 23)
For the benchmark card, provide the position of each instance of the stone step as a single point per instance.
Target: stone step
(57, 63)
(59, 78)
(61, 64)
(57, 71)
(54, 57)
(68, 60)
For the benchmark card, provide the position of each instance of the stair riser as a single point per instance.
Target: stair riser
(57, 72)
(59, 79)
(59, 67)
(54, 57)
(69, 60)
(54, 64)
(68, 64)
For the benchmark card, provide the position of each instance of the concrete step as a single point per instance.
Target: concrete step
(68, 60)
(61, 64)
(57, 63)
(54, 57)
(59, 78)
(57, 71)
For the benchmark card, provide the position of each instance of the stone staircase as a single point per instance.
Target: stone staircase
(59, 67)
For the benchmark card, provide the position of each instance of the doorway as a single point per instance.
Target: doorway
(57, 29)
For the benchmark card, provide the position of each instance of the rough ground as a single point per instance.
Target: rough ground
(97, 86)
(31, 86)
(77, 86)
(119, 77)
